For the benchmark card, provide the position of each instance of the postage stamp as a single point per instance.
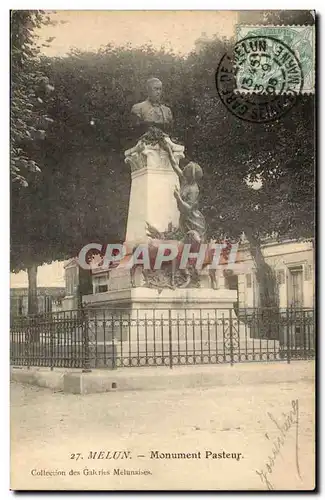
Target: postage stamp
(260, 78)
(266, 65)
(282, 53)
(249, 95)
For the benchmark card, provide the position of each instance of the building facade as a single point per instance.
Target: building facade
(293, 264)
(49, 300)
(78, 282)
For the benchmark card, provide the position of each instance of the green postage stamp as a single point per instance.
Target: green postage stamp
(275, 59)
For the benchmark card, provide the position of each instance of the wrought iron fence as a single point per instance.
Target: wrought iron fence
(161, 337)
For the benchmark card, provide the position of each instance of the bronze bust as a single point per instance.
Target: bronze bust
(151, 113)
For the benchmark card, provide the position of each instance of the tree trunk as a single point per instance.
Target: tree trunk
(268, 294)
(32, 290)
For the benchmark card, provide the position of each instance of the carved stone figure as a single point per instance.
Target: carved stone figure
(151, 150)
(191, 220)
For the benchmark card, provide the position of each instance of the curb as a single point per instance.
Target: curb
(74, 381)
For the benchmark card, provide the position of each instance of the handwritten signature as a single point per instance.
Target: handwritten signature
(291, 419)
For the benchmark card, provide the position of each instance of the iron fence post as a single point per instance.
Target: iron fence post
(113, 340)
(85, 338)
(51, 346)
(113, 344)
(170, 334)
(304, 334)
(231, 338)
(27, 341)
(288, 336)
(113, 354)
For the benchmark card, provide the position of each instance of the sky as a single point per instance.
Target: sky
(47, 275)
(91, 29)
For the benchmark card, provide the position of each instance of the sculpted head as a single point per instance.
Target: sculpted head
(193, 172)
(154, 88)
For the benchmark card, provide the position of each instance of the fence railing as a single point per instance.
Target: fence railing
(161, 337)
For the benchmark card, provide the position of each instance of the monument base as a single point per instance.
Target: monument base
(144, 326)
(193, 299)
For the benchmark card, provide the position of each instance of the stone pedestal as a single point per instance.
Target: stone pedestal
(146, 326)
(150, 298)
(152, 190)
(145, 314)
(148, 318)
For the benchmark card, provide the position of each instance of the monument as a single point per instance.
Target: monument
(163, 207)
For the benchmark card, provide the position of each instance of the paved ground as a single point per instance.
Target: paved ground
(252, 420)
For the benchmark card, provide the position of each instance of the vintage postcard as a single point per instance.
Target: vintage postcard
(162, 300)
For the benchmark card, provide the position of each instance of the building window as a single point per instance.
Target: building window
(296, 286)
(232, 282)
(48, 304)
(248, 281)
(20, 306)
(101, 284)
(71, 281)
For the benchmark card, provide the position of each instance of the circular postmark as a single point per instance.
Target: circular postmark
(259, 81)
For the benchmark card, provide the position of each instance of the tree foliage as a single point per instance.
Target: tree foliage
(277, 17)
(30, 86)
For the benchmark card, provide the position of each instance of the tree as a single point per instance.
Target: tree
(277, 17)
(280, 154)
(29, 88)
